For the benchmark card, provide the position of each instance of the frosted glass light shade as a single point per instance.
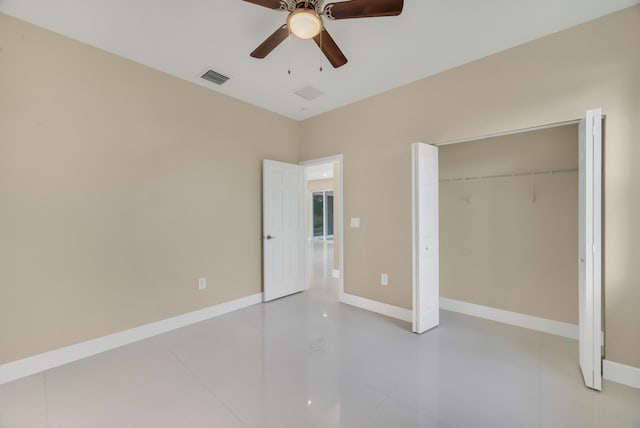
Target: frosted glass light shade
(304, 23)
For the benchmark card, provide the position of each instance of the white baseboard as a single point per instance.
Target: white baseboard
(58, 357)
(378, 307)
(521, 320)
(335, 273)
(621, 373)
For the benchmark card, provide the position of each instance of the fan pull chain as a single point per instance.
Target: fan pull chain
(289, 51)
(321, 39)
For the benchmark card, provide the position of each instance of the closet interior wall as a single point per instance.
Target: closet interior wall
(509, 222)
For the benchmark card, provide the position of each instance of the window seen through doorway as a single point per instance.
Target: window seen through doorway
(323, 214)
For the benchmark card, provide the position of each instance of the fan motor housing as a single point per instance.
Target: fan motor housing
(306, 5)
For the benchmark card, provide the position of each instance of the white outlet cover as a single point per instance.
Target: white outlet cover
(384, 279)
(355, 221)
(202, 283)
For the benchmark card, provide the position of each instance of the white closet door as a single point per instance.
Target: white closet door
(283, 228)
(589, 247)
(426, 290)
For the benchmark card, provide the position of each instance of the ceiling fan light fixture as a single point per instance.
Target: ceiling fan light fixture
(304, 23)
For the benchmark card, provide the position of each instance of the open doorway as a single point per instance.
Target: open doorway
(287, 226)
(516, 246)
(323, 202)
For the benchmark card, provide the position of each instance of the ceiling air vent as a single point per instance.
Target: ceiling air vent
(308, 93)
(214, 77)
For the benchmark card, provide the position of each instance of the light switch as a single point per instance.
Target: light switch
(355, 221)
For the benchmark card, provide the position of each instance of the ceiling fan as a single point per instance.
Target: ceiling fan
(305, 21)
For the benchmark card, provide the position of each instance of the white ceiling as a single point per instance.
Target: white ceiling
(185, 37)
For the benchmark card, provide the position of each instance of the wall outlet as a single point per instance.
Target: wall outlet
(355, 222)
(384, 279)
(202, 283)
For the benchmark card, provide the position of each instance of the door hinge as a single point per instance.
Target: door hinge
(593, 249)
(593, 130)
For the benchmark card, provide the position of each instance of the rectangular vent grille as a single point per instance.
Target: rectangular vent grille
(308, 93)
(214, 77)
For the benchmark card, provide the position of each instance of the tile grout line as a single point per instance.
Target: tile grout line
(203, 386)
(541, 362)
(46, 399)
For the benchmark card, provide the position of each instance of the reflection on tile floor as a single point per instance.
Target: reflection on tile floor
(308, 361)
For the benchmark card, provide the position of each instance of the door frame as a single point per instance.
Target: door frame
(340, 214)
(597, 210)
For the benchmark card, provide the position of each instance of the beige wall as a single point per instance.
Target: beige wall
(512, 242)
(119, 187)
(555, 78)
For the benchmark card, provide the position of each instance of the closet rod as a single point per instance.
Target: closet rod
(515, 174)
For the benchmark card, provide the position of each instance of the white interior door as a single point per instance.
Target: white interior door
(590, 237)
(426, 289)
(283, 229)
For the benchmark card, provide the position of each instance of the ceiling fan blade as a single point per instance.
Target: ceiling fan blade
(363, 9)
(271, 43)
(330, 49)
(271, 4)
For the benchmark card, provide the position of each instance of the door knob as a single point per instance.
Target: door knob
(269, 237)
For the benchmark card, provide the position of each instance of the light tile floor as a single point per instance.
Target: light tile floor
(308, 361)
